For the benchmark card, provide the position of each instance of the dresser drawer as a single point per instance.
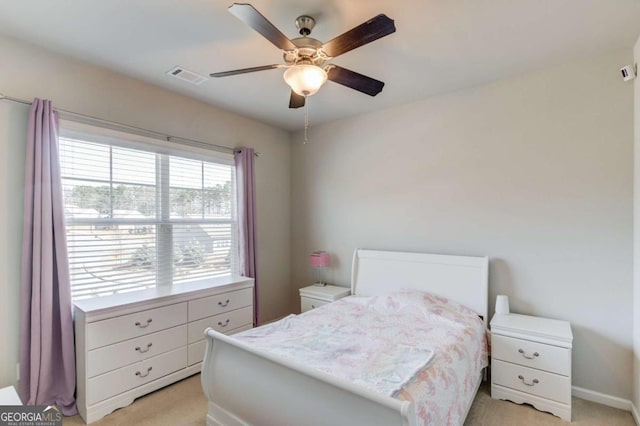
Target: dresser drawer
(307, 303)
(531, 354)
(532, 381)
(222, 323)
(112, 330)
(224, 302)
(196, 350)
(118, 355)
(109, 384)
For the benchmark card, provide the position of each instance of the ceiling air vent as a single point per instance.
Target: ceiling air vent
(186, 75)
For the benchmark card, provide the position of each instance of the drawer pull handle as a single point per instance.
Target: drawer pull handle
(139, 374)
(226, 323)
(145, 325)
(313, 306)
(223, 304)
(139, 349)
(535, 354)
(535, 381)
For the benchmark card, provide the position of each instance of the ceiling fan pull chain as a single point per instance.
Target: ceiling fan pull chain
(306, 119)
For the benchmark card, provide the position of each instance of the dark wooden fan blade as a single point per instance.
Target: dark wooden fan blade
(246, 70)
(250, 16)
(367, 32)
(296, 101)
(355, 81)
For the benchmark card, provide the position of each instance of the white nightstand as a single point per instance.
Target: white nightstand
(531, 362)
(313, 296)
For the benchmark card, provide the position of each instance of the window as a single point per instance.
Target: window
(139, 216)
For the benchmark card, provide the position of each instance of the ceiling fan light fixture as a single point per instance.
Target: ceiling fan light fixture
(305, 79)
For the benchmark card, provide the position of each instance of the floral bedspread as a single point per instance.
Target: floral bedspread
(410, 345)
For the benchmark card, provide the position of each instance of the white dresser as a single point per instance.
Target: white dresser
(531, 362)
(128, 345)
(313, 296)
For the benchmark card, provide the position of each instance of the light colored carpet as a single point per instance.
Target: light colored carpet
(184, 404)
(492, 412)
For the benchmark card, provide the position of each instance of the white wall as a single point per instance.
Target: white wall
(534, 172)
(80, 87)
(636, 245)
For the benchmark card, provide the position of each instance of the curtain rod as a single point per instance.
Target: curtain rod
(88, 119)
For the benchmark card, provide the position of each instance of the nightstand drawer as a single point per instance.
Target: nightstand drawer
(532, 381)
(307, 303)
(531, 354)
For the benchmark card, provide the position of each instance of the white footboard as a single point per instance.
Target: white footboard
(246, 386)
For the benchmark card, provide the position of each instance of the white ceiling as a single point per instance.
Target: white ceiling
(440, 45)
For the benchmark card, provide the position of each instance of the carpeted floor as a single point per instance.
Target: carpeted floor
(184, 404)
(492, 412)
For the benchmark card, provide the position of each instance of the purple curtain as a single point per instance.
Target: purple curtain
(246, 194)
(47, 355)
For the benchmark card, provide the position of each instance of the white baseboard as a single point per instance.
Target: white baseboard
(634, 413)
(602, 398)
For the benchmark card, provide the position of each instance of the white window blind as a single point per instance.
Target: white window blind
(137, 218)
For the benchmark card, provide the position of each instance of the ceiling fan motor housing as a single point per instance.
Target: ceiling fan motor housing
(307, 52)
(305, 24)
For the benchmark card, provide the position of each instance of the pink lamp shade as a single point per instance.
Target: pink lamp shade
(319, 259)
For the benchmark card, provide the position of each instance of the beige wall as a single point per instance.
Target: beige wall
(13, 121)
(636, 245)
(83, 88)
(535, 172)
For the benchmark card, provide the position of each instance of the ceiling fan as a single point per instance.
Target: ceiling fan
(305, 56)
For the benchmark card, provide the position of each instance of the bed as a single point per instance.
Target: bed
(247, 384)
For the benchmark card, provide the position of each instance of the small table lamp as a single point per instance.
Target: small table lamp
(502, 304)
(319, 260)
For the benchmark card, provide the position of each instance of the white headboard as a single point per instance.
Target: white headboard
(464, 279)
